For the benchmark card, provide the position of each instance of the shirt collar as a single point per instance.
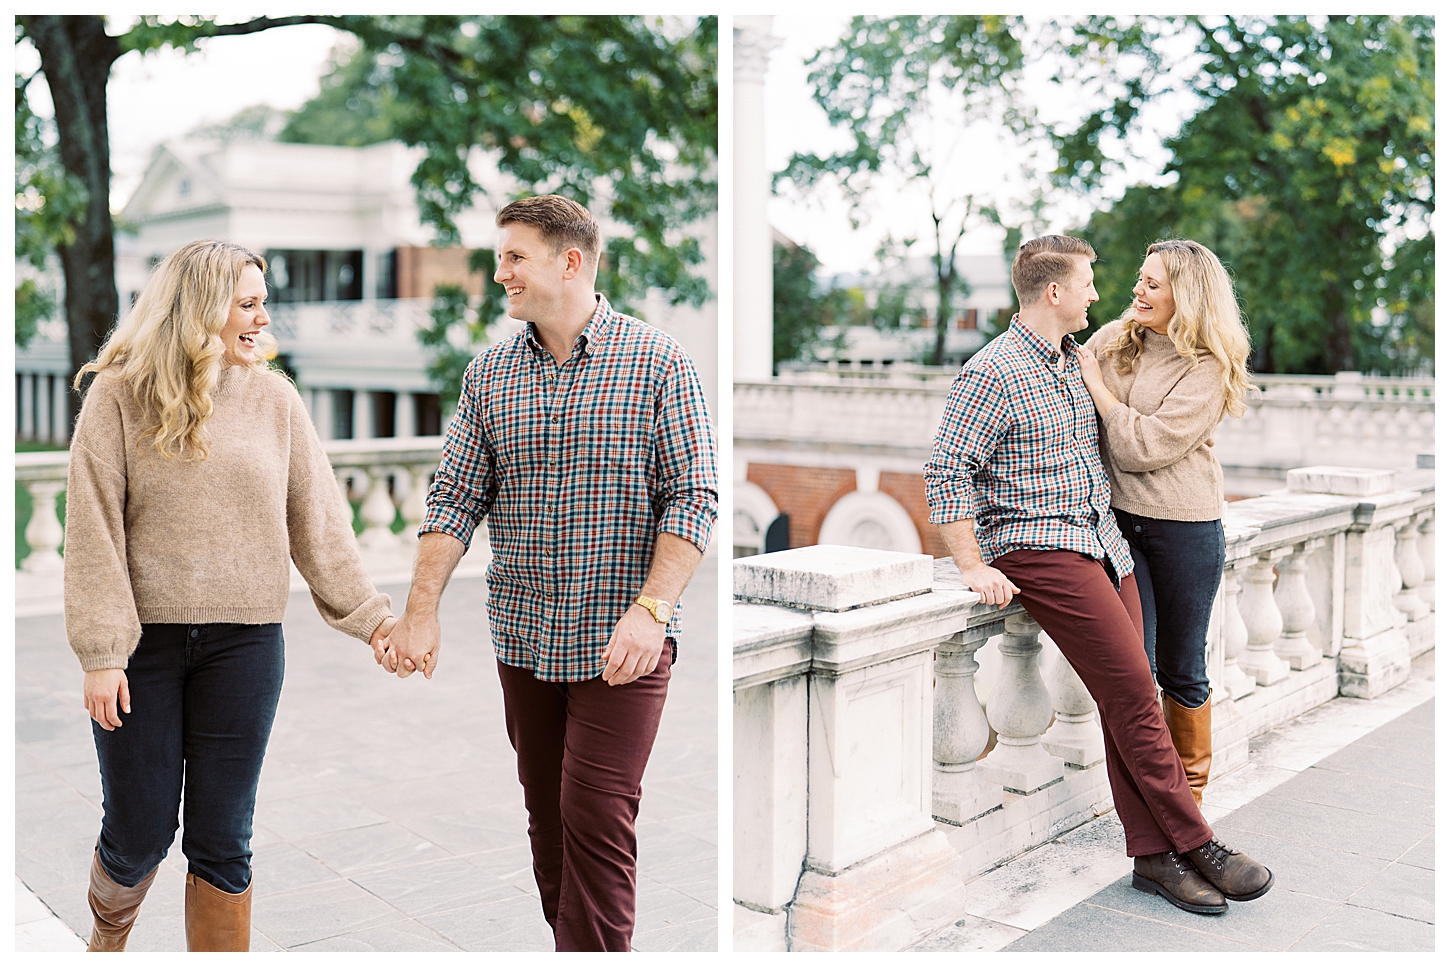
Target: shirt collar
(1040, 346)
(595, 329)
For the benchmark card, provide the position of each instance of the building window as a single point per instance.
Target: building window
(342, 414)
(387, 284)
(384, 413)
(316, 275)
(427, 414)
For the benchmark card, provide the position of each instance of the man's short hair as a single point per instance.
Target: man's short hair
(1050, 258)
(563, 223)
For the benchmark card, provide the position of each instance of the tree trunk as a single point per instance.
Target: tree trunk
(944, 286)
(76, 55)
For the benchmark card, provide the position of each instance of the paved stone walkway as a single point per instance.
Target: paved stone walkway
(1339, 804)
(389, 815)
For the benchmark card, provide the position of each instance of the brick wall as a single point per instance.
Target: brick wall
(420, 268)
(909, 490)
(805, 493)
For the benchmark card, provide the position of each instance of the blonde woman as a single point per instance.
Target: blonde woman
(1162, 377)
(195, 476)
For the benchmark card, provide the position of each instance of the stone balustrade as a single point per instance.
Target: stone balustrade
(894, 739)
(389, 477)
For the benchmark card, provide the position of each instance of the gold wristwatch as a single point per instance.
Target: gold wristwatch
(660, 610)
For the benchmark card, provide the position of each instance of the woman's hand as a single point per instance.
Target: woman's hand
(106, 689)
(379, 639)
(1092, 373)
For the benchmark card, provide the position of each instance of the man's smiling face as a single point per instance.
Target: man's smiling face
(530, 272)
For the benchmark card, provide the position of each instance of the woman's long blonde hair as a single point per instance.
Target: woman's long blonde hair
(1205, 318)
(168, 348)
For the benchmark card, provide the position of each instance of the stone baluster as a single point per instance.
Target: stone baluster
(1020, 709)
(1412, 569)
(44, 533)
(377, 512)
(959, 793)
(1296, 608)
(1262, 620)
(1075, 737)
(1427, 557)
(1236, 681)
(413, 505)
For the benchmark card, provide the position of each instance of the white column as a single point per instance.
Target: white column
(59, 408)
(405, 420)
(959, 793)
(414, 504)
(26, 427)
(1427, 557)
(42, 406)
(322, 413)
(378, 511)
(1296, 608)
(1075, 737)
(1262, 620)
(362, 415)
(1412, 569)
(1020, 709)
(753, 249)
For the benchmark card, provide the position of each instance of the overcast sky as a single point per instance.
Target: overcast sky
(163, 95)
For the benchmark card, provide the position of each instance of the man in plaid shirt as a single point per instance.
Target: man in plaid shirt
(586, 442)
(1017, 486)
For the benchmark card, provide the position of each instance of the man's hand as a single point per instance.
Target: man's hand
(634, 646)
(413, 644)
(103, 691)
(379, 639)
(991, 584)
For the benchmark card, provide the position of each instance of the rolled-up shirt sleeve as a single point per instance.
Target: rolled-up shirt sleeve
(973, 424)
(466, 482)
(687, 494)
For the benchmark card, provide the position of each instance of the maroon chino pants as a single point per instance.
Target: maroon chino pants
(1099, 630)
(582, 748)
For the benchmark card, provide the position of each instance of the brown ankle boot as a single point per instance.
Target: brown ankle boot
(1192, 731)
(216, 919)
(113, 907)
(1177, 882)
(1237, 876)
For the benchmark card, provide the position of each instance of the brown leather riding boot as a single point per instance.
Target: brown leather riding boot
(1192, 731)
(1236, 875)
(1169, 876)
(216, 919)
(113, 907)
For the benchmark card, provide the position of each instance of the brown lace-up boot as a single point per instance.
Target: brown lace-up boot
(216, 919)
(1167, 875)
(113, 907)
(1192, 732)
(1238, 876)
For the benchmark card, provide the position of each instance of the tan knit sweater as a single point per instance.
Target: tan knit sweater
(149, 539)
(1157, 442)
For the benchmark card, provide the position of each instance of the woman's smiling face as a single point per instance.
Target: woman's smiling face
(247, 317)
(1153, 295)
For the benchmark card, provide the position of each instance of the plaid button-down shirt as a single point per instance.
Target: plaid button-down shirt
(578, 468)
(1017, 450)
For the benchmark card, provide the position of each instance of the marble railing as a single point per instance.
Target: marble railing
(894, 739)
(396, 319)
(1291, 422)
(388, 477)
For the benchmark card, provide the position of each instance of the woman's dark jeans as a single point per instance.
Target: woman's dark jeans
(202, 702)
(1178, 564)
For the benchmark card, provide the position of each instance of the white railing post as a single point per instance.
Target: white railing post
(1296, 608)
(44, 533)
(1262, 620)
(1236, 681)
(1020, 710)
(378, 511)
(1075, 737)
(1412, 569)
(959, 793)
(1427, 557)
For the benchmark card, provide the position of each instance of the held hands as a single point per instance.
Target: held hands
(411, 645)
(379, 639)
(993, 586)
(105, 693)
(634, 646)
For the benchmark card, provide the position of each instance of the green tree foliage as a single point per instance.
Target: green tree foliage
(1308, 168)
(881, 82)
(355, 106)
(459, 328)
(802, 306)
(566, 104)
